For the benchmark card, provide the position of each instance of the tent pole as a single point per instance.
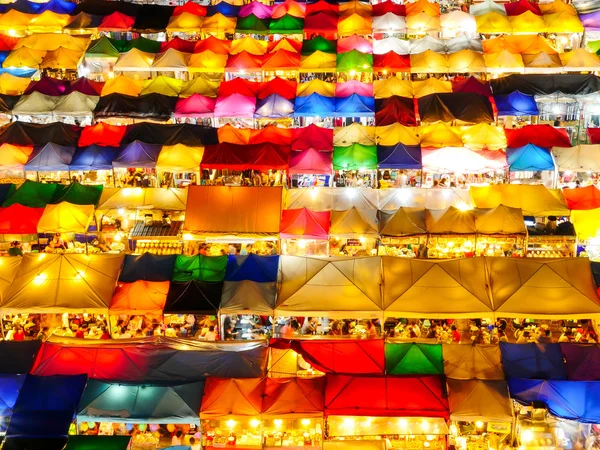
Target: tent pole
(114, 179)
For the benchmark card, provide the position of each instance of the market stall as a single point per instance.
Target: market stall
(70, 223)
(151, 413)
(452, 233)
(19, 223)
(304, 232)
(353, 232)
(501, 231)
(403, 232)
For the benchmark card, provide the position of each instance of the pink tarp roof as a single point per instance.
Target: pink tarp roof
(235, 105)
(355, 42)
(353, 87)
(310, 162)
(258, 9)
(195, 106)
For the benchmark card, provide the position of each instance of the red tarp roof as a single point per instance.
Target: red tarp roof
(232, 397)
(243, 61)
(294, 397)
(520, 7)
(102, 134)
(383, 8)
(270, 134)
(85, 86)
(7, 43)
(283, 43)
(279, 86)
(241, 86)
(311, 162)
(392, 62)
(594, 135)
(322, 23)
(253, 157)
(339, 356)
(322, 6)
(116, 22)
(472, 84)
(407, 396)
(582, 198)
(215, 45)
(190, 8)
(314, 137)
(18, 219)
(195, 106)
(305, 224)
(544, 136)
(178, 44)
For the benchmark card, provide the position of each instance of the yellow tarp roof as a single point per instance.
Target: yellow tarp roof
(527, 23)
(200, 85)
(534, 200)
(134, 60)
(179, 158)
(563, 22)
(580, 60)
(355, 24)
(171, 60)
(440, 135)
(14, 157)
(450, 221)
(355, 7)
(207, 61)
(54, 41)
(468, 362)
(466, 61)
(422, 23)
(503, 61)
(185, 22)
(525, 44)
(315, 86)
(557, 6)
(24, 57)
(218, 25)
(162, 85)
(541, 61)
(493, 23)
(62, 58)
(66, 218)
(500, 220)
(423, 6)
(354, 133)
(586, 223)
(392, 86)
(15, 20)
(429, 62)
(396, 133)
(48, 22)
(122, 85)
(484, 136)
(318, 62)
(12, 85)
(248, 44)
(354, 223)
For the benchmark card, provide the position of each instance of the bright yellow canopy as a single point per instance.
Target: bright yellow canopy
(440, 135)
(392, 86)
(162, 85)
(557, 6)
(431, 85)
(49, 42)
(422, 23)
(396, 133)
(429, 62)
(315, 86)
(534, 199)
(134, 60)
(66, 217)
(527, 23)
(503, 61)
(24, 57)
(15, 20)
(318, 62)
(122, 85)
(493, 23)
(48, 22)
(580, 60)
(587, 223)
(185, 23)
(12, 85)
(200, 85)
(355, 133)
(218, 25)
(179, 158)
(62, 58)
(466, 61)
(355, 24)
(14, 157)
(484, 136)
(207, 61)
(563, 22)
(248, 44)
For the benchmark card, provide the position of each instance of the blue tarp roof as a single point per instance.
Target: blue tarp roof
(260, 269)
(147, 403)
(355, 106)
(138, 154)
(224, 8)
(58, 7)
(543, 361)
(50, 157)
(314, 105)
(93, 157)
(46, 406)
(399, 156)
(147, 267)
(10, 385)
(529, 157)
(22, 6)
(516, 104)
(274, 106)
(576, 400)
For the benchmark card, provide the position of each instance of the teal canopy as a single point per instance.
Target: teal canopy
(145, 403)
(413, 358)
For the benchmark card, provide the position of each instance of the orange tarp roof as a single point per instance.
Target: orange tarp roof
(293, 397)
(140, 297)
(290, 7)
(518, 44)
(281, 60)
(431, 9)
(14, 157)
(207, 61)
(215, 45)
(122, 85)
(232, 135)
(225, 397)
(248, 44)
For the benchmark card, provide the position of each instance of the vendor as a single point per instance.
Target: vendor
(15, 249)
(57, 243)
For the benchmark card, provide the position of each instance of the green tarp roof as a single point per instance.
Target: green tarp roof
(287, 25)
(355, 157)
(354, 60)
(102, 48)
(413, 358)
(252, 24)
(78, 194)
(98, 442)
(200, 268)
(32, 194)
(319, 43)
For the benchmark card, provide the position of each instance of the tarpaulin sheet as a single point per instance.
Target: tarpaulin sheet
(529, 157)
(468, 362)
(19, 219)
(155, 106)
(148, 267)
(516, 104)
(232, 397)
(24, 133)
(248, 296)
(46, 406)
(391, 62)
(534, 200)
(354, 106)
(395, 109)
(546, 84)
(339, 356)
(473, 85)
(585, 198)
(248, 157)
(138, 154)
(140, 298)
(30, 193)
(10, 386)
(66, 217)
(18, 356)
(413, 358)
(319, 43)
(355, 157)
(543, 361)
(407, 396)
(582, 361)
(161, 404)
(312, 136)
(171, 134)
(310, 162)
(252, 267)
(405, 221)
(463, 106)
(93, 157)
(293, 397)
(224, 8)
(275, 107)
(193, 297)
(156, 359)
(575, 400)
(199, 267)
(283, 88)
(582, 157)
(77, 194)
(304, 224)
(85, 442)
(594, 135)
(399, 156)
(313, 105)
(472, 400)
(545, 136)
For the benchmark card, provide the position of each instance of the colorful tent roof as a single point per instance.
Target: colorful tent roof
(18, 219)
(140, 297)
(65, 218)
(193, 297)
(414, 358)
(468, 362)
(304, 224)
(232, 397)
(479, 400)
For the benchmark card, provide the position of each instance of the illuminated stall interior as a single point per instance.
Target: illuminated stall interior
(452, 233)
(403, 232)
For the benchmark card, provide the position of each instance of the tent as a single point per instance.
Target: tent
(391, 62)
(235, 105)
(527, 23)
(534, 200)
(586, 223)
(461, 106)
(14, 157)
(503, 61)
(19, 219)
(85, 442)
(112, 402)
(355, 42)
(116, 22)
(65, 218)
(450, 221)
(581, 361)
(281, 60)
(75, 104)
(293, 397)
(162, 85)
(43, 279)
(147, 267)
(134, 60)
(242, 211)
(310, 162)
(314, 105)
(585, 198)
(320, 199)
(354, 222)
(529, 157)
(252, 267)
(436, 289)
(484, 136)
(403, 222)
(312, 137)
(579, 61)
(429, 62)
(312, 286)
(218, 24)
(249, 45)
(574, 400)
(166, 199)
(45, 406)
(483, 400)
(10, 385)
(396, 133)
(474, 85)
(389, 23)
(540, 84)
(466, 61)
(406, 396)
(579, 158)
(282, 87)
(93, 157)
(170, 134)
(153, 360)
(244, 61)
(254, 156)
(232, 397)
(241, 86)
(287, 24)
(200, 268)
(323, 24)
(395, 109)
(562, 288)
(338, 356)
(150, 106)
(354, 61)
(275, 107)
(304, 224)
(440, 135)
(35, 104)
(472, 362)
(193, 297)
(78, 194)
(252, 24)
(50, 157)
(413, 358)
(122, 85)
(319, 43)
(354, 106)
(500, 220)
(355, 157)
(207, 61)
(184, 23)
(315, 86)
(399, 156)
(138, 154)
(354, 24)
(319, 62)
(140, 297)
(30, 193)
(179, 158)
(248, 297)
(493, 22)
(390, 44)
(516, 104)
